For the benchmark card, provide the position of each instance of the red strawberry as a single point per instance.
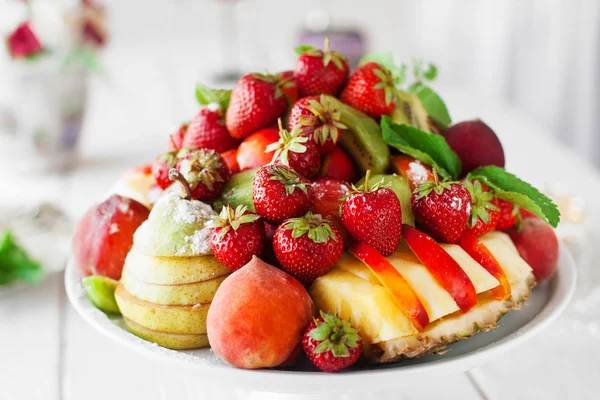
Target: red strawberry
(207, 131)
(320, 72)
(253, 153)
(329, 196)
(279, 193)
(372, 215)
(371, 89)
(257, 101)
(307, 247)
(485, 212)
(331, 343)
(230, 157)
(442, 208)
(23, 42)
(288, 86)
(319, 120)
(509, 214)
(296, 151)
(176, 138)
(205, 171)
(163, 163)
(236, 237)
(339, 165)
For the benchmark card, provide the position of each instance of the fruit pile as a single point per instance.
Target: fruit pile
(345, 194)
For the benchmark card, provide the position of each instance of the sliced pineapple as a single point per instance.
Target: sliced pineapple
(352, 290)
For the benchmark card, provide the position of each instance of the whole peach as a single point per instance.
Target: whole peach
(257, 316)
(104, 236)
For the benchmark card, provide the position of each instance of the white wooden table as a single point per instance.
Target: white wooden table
(48, 352)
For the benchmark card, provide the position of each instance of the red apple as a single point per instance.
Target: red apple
(252, 151)
(537, 245)
(442, 267)
(104, 236)
(477, 250)
(412, 169)
(338, 164)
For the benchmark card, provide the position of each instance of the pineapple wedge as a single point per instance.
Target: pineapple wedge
(354, 292)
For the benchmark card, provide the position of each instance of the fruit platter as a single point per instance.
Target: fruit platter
(322, 220)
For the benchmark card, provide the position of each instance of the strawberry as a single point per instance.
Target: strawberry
(23, 42)
(279, 193)
(372, 215)
(339, 165)
(257, 101)
(236, 237)
(442, 208)
(163, 163)
(320, 71)
(176, 138)
(485, 212)
(319, 120)
(253, 153)
(288, 86)
(329, 196)
(205, 171)
(331, 343)
(371, 89)
(207, 131)
(296, 151)
(307, 247)
(230, 157)
(509, 213)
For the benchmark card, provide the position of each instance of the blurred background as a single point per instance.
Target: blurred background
(539, 55)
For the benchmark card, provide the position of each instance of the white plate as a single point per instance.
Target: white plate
(545, 304)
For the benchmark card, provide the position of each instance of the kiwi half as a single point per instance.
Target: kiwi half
(410, 111)
(363, 139)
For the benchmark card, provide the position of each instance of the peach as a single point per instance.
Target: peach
(257, 316)
(537, 244)
(104, 236)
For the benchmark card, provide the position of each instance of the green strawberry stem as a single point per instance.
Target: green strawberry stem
(367, 176)
(175, 175)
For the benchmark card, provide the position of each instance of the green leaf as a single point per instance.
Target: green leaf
(303, 48)
(433, 104)
(431, 72)
(426, 147)
(206, 95)
(15, 264)
(508, 187)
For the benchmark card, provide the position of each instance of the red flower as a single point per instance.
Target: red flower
(23, 42)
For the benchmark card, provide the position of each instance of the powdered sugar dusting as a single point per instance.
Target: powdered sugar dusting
(114, 228)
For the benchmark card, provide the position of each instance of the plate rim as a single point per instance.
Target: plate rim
(561, 288)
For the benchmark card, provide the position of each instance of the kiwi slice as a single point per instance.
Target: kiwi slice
(399, 185)
(363, 139)
(237, 191)
(410, 111)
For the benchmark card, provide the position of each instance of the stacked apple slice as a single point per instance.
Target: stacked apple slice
(170, 278)
(425, 296)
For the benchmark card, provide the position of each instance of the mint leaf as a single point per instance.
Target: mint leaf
(433, 104)
(508, 187)
(15, 264)
(206, 95)
(431, 72)
(429, 148)
(387, 60)
(303, 48)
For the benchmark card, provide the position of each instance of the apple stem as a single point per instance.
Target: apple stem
(175, 175)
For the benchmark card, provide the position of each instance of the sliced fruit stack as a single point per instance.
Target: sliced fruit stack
(349, 191)
(170, 278)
